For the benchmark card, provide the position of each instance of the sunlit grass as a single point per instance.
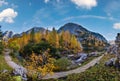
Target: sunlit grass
(3, 64)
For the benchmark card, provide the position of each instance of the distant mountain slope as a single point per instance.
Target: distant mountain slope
(7, 35)
(86, 37)
(112, 42)
(35, 29)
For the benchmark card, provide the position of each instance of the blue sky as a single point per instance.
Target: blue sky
(102, 16)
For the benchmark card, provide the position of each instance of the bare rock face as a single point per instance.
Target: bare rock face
(115, 49)
(117, 42)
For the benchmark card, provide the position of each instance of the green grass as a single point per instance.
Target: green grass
(3, 64)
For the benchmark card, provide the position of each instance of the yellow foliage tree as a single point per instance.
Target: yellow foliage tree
(53, 38)
(40, 65)
(75, 44)
(37, 37)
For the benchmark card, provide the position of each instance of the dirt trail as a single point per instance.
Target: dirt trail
(78, 70)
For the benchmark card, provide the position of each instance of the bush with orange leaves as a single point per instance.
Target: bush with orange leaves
(40, 65)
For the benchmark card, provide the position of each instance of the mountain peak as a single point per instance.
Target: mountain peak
(7, 35)
(71, 23)
(81, 32)
(72, 28)
(36, 29)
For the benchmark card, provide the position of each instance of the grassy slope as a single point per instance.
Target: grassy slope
(3, 64)
(97, 73)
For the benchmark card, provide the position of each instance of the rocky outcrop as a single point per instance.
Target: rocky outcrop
(7, 35)
(117, 42)
(115, 49)
(20, 72)
(36, 29)
(112, 49)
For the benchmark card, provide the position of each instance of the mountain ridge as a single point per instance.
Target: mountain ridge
(83, 35)
(75, 29)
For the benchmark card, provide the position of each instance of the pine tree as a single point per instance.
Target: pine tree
(53, 38)
(37, 37)
(0, 34)
(61, 41)
(14, 46)
(66, 38)
(1, 47)
(32, 34)
(75, 44)
(24, 39)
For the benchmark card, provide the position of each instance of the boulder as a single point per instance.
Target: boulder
(4, 71)
(117, 42)
(82, 58)
(95, 54)
(111, 62)
(20, 72)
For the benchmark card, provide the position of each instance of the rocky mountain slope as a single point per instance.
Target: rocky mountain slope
(78, 30)
(87, 38)
(35, 29)
(6, 35)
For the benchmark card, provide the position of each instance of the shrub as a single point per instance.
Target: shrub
(6, 76)
(62, 64)
(1, 47)
(39, 49)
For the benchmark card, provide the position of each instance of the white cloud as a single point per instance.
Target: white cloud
(3, 2)
(8, 15)
(91, 16)
(87, 4)
(46, 1)
(86, 16)
(116, 26)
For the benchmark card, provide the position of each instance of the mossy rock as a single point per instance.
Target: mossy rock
(17, 78)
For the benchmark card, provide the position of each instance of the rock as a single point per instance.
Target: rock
(111, 62)
(72, 57)
(79, 64)
(4, 71)
(82, 58)
(95, 54)
(117, 42)
(7, 35)
(112, 49)
(20, 72)
(115, 49)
